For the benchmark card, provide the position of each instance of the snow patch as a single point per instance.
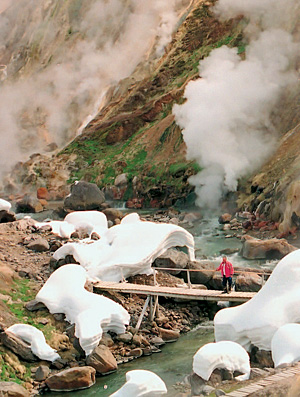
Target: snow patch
(226, 354)
(91, 313)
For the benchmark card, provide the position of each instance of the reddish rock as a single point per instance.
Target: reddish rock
(265, 249)
(76, 378)
(42, 193)
(102, 360)
(168, 335)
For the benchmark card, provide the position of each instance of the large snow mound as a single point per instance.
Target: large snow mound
(91, 313)
(141, 383)
(91, 221)
(285, 344)
(36, 339)
(225, 354)
(127, 249)
(276, 304)
(4, 205)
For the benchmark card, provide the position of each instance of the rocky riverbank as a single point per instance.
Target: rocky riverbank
(26, 263)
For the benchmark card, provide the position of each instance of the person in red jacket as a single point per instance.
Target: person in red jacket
(227, 271)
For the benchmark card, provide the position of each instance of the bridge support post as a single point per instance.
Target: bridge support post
(138, 324)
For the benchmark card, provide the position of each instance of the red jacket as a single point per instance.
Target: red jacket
(226, 269)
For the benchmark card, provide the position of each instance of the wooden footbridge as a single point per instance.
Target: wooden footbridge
(193, 293)
(184, 291)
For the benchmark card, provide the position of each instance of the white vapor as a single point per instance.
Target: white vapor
(226, 117)
(81, 48)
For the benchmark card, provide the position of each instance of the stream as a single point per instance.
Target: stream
(172, 364)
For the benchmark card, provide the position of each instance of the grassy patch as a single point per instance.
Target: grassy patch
(21, 293)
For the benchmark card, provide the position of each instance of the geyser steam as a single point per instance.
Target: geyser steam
(226, 118)
(60, 58)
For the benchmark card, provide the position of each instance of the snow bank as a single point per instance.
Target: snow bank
(4, 205)
(35, 338)
(127, 249)
(285, 344)
(276, 304)
(92, 221)
(141, 383)
(226, 354)
(92, 314)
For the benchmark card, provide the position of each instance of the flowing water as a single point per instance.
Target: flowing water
(172, 364)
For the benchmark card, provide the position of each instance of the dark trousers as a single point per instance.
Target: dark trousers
(225, 280)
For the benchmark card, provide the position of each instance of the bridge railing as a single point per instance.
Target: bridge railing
(264, 274)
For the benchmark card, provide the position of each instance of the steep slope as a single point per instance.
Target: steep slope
(135, 132)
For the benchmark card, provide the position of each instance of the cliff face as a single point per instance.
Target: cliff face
(130, 145)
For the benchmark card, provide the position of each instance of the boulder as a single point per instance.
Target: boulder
(172, 258)
(137, 352)
(7, 216)
(102, 360)
(28, 204)
(76, 378)
(225, 218)
(42, 193)
(274, 248)
(168, 335)
(264, 358)
(112, 214)
(206, 271)
(121, 180)
(42, 373)
(84, 196)
(248, 282)
(12, 389)
(39, 245)
(18, 346)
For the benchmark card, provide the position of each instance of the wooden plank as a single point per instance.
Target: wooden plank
(173, 292)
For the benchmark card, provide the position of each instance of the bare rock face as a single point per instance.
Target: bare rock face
(102, 360)
(12, 389)
(18, 346)
(84, 196)
(274, 248)
(76, 378)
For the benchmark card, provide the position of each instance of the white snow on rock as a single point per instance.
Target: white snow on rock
(35, 338)
(141, 383)
(92, 221)
(4, 205)
(127, 249)
(225, 354)
(285, 345)
(276, 304)
(91, 313)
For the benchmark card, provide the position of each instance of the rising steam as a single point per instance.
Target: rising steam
(226, 118)
(58, 58)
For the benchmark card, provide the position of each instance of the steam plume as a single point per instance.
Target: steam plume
(60, 57)
(226, 118)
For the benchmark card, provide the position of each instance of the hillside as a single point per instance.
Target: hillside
(134, 137)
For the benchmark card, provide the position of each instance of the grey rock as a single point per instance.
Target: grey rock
(84, 196)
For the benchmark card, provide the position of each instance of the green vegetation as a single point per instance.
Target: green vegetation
(108, 149)
(21, 293)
